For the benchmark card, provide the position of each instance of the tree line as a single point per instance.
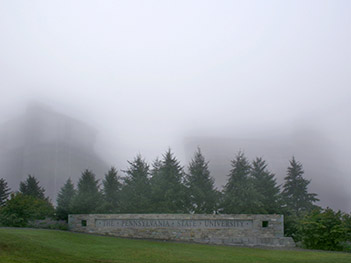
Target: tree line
(165, 187)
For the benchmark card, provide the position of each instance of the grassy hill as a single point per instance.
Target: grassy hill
(29, 245)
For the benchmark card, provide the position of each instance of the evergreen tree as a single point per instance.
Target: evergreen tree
(111, 191)
(64, 200)
(240, 195)
(88, 198)
(295, 192)
(31, 187)
(266, 185)
(203, 195)
(169, 194)
(136, 191)
(156, 167)
(4, 192)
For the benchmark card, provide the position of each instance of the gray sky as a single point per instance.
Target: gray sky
(150, 74)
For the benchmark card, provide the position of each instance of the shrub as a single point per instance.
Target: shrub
(48, 223)
(20, 209)
(324, 229)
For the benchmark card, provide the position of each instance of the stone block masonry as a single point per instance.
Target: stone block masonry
(244, 230)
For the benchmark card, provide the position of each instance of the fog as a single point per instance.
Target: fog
(271, 78)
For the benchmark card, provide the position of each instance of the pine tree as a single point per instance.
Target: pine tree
(203, 195)
(111, 191)
(136, 191)
(155, 184)
(31, 187)
(88, 198)
(64, 200)
(266, 185)
(240, 195)
(295, 192)
(4, 192)
(156, 167)
(169, 194)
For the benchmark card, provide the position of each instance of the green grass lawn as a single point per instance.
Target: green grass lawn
(45, 246)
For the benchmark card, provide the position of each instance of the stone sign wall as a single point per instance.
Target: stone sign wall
(248, 230)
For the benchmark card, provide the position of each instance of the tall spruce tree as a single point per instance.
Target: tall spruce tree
(31, 187)
(203, 195)
(156, 166)
(240, 195)
(155, 175)
(64, 200)
(295, 193)
(266, 185)
(111, 191)
(136, 190)
(88, 198)
(169, 194)
(4, 192)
